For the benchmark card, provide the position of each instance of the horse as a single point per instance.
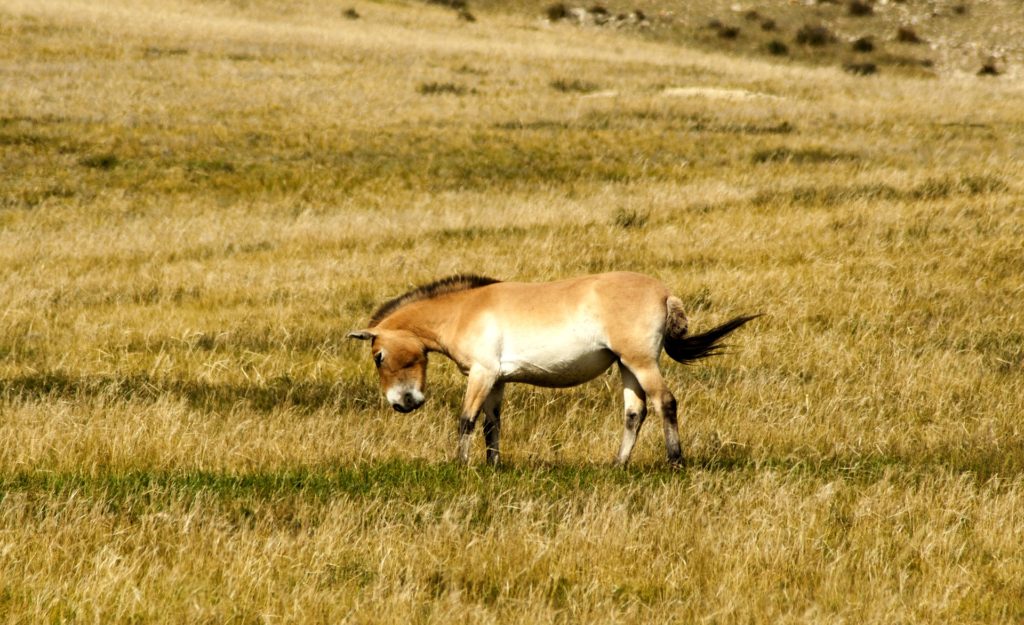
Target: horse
(552, 334)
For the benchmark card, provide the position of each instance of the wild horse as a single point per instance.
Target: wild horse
(553, 334)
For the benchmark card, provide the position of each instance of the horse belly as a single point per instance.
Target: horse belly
(555, 365)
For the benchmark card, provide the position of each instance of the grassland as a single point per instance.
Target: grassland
(199, 199)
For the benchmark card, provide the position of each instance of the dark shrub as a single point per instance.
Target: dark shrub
(814, 35)
(859, 8)
(351, 14)
(557, 12)
(777, 48)
(989, 69)
(729, 32)
(864, 44)
(906, 34)
(768, 25)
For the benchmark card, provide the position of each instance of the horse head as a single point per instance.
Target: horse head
(401, 361)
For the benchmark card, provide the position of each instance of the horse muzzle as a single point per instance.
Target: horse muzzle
(406, 402)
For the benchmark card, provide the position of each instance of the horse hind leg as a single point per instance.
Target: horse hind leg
(635, 403)
(652, 383)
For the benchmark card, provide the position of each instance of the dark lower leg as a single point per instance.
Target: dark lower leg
(667, 408)
(492, 432)
(466, 427)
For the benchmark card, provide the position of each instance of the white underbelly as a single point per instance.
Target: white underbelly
(554, 358)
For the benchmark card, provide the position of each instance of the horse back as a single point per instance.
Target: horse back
(621, 312)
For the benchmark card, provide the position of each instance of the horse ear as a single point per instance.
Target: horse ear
(362, 335)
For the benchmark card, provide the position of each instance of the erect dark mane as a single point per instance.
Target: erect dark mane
(451, 284)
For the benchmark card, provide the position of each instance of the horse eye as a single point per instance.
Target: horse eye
(378, 358)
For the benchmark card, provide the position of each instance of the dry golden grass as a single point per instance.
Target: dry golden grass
(198, 200)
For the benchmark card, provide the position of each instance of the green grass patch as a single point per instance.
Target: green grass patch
(418, 481)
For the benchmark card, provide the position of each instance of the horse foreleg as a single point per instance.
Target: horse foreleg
(481, 382)
(635, 401)
(492, 422)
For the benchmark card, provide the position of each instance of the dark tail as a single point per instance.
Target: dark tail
(688, 349)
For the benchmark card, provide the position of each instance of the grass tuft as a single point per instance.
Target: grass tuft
(630, 218)
(573, 85)
(801, 156)
(210, 166)
(441, 88)
(861, 69)
(105, 161)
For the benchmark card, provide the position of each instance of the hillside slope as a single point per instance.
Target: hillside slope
(907, 37)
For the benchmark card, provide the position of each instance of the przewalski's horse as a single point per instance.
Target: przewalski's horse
(553, 334)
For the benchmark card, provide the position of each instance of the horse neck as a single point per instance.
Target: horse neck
(429, 320)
